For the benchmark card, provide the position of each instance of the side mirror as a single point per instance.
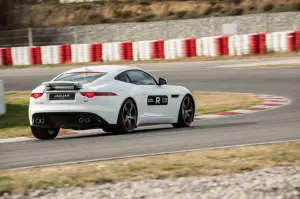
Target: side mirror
(162, 81)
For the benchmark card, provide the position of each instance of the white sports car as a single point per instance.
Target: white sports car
(117, 99)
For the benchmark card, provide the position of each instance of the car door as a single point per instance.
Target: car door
(154, 99)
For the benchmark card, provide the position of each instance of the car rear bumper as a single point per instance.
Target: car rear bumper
(69, 114)
(74, 120)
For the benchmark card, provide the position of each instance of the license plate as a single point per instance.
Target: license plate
(62, 96)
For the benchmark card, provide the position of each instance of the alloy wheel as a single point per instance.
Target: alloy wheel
(129, 116)
(187, 110)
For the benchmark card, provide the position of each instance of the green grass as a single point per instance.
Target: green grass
(198, 163)
(16, 123)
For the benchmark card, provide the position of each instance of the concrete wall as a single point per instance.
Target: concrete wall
(2, 101)
(199, 27)
(186, 28)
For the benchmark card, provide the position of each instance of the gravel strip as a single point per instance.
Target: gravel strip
(272, 183)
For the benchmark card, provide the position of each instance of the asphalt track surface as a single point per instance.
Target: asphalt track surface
(268, 126)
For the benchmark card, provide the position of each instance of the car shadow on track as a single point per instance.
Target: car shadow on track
(160, 130)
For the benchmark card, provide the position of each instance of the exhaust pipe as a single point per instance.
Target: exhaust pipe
(39, 121)
(87, 120)
(81, 120)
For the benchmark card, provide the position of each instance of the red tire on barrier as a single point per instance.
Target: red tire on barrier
(92, 52)
(297, 40)
(186, 45)
(219, 46)
(32, 56)
(61, 54)
(291, 42)
(154, 50)
(129, 51)
(38, 55)
(123, 50)
(225, 45)
(68, 53)
(261, 43)
(96, 52)
(99, 52)
(65, 53)
(193, 47)
(6, 57)
(160, 48)
(254, 44)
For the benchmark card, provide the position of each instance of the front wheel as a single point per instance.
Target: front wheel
(186, 113)
(44, 133)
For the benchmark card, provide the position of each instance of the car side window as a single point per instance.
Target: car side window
(123, 77)
(140, 78)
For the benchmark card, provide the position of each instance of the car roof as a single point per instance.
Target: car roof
(102, 68)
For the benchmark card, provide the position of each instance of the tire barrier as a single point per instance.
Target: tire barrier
(228, 45)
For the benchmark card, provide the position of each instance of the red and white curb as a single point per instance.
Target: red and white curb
(269, 102)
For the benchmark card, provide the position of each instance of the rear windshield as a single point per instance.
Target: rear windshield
(82, 77)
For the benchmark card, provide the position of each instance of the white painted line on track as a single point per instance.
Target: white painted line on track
(243, 111)
(152, 154)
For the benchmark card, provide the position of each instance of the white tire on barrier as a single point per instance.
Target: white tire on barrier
(276, 41)
(55, 54)
(212, 46)
(144, 50)
(246, 44)
(50, 54)
(179, 46)
(135, 49)
(205, 46)
(105, 52)
(86, 53)
(269, 42)
(238, 45)
(231, 48)
(80, 53)
(20, 55)
(170, 49)
(199, 47)
(284, 41)
(116, 51)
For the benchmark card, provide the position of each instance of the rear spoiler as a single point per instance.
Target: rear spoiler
(62, 85)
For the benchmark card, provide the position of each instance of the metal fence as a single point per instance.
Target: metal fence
(36, 37)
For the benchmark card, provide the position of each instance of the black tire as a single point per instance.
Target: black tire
(126, 122)
(44, 133)
(186, 112)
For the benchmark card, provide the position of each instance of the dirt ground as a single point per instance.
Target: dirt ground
(52, 14)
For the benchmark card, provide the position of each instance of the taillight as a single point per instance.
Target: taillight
(36, 95)
(93, 94)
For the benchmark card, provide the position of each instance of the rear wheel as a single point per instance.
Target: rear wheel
(44, 133)
(186, 113)
(127, 118)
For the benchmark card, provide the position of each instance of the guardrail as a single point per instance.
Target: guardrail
(231, 45)
(2, 99)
